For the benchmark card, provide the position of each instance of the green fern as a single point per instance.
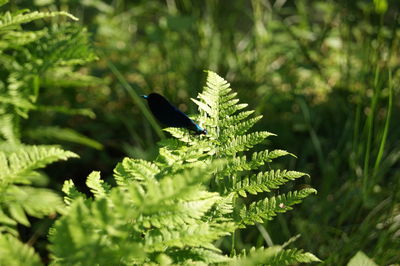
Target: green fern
(10, 20)
(26, 59)
(18, 171)
(18, 165)
(71, 193)
(269, 207)
(261, 182)
(220, 114)
(275, 255)
(174, 208)
(13, 252)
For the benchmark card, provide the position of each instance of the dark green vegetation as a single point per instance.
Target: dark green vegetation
(324, 75)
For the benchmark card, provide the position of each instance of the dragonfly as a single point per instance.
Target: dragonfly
(170, 115)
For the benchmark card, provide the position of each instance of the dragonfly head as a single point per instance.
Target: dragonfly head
(200, 130)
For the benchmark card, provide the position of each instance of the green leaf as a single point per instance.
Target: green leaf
(71, 192)
(361, 259)
(95, 233)
(275, 256)
(195, 235)
(21, 162)
(37, 202)
(9, 20)
(197, 255)
(265, 209)
(130, 170)
(63, 134)
(245, 142)
(97, 185)
(3, 2)
(14, 252)
(263, 181)
(17, 212)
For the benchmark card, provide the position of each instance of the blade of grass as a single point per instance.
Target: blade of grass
(136, 99)
(386, 127)
(314, 137)
(367, 184)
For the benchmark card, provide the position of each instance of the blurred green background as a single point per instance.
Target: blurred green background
(324, 74)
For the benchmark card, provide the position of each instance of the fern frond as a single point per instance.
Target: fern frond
(19, 163)
(14, 252)
(263, 182)
(182, 134)
(175, 213)
(245, 142)
(269, 207)
(36, 202)
(182, 256)
(217, 102)
(97, 185)
(10, 20)
(194, 235)
(239, 128)
(292, 256)
(8, 129)
(130, 170)
(65, 45)
(241, 163)
(174, 208)
(268, 156)
(95, 225)
(17, 166)
(7, 224)
(17, 213)
(71, 192)
(232, 120)
(231, 110)
(204, 107)
(274, 256)
(167, 156)
(16, 39)
(182, 184)
(222, 209)
(17, 102)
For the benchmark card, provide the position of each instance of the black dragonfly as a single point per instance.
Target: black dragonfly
(170, 115)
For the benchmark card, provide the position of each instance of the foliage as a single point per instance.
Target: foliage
(361, 259)
(17, 173)
(26, 56)
(323, 73)
(174, 208)
(13, 252)
(275, 256)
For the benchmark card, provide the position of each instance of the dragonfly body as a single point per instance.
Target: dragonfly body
(169, 115)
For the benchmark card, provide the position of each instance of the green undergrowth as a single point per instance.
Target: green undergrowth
(175, 209)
